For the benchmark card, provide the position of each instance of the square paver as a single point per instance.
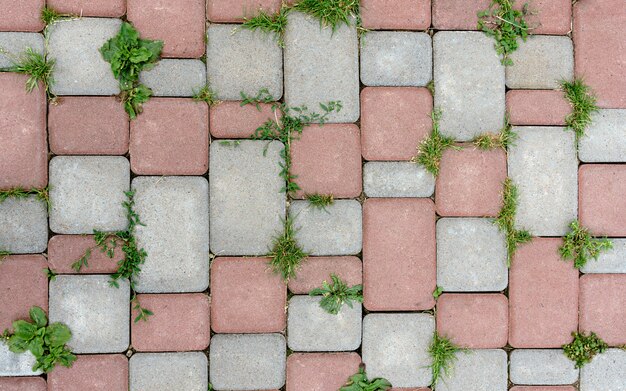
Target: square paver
(320, 371)
(477, 369)
(21, 16)
(605, 138)
(397, 179)
(17, 43)
(602, 309)
(604, 372)
(471, 255)
(537, 107)
(399, 15)
(64, 250)
(602, 198)
(175, 77)
(81, 302)
(101, 372)
(187, 371)
(542, 366)
(541, 62)
(237, 10)
(13, 364)
(231, 120)
(609, 261)
(24, 223)
(315, 270)
(23, 384)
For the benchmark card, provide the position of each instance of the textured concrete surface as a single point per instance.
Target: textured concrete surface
(605, 138)
(484, 369)
(12, 364)
(24, 225)
(397, 179)
(169, 371)
(604, 372)
(175, 77)
(16, 44)
(609, 261)
(542, 367)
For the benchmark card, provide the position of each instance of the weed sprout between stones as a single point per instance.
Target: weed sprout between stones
(443, 353)
(583, 105)
(430, 151)
(579, 245)
(505, 25)
(337, 293)
(42, 194)
(582, 349)
(506, 220)
(360, 382)
(503, 139)
(37, 66)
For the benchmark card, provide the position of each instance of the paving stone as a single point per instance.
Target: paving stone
(23, 150)
(170, 137)
(175, 212)
(246, 296)
(13, 364)
(334, 230)
(87, 192)
(463, 61)
(173, 77)
(399, 15)
(179, 24)
(326, 159)
(315, 270)
(396, 58)
(477, 369)
(180, 323)
(543, 388)
(64, 250)
(457, 14)
(22, 286)
(399, 258)
(24, 225)
(247, 205)
(604, 372)
(21, 16)
(475, 321)
(471, 255)
(543, 166)
(169, 371)
(542, 366)
(231, 120)
(397, 179)
(18, 43)
(395, 346)
(394, 121)
(541, 62)
(22, 384)
(602, 198)
(247, 362)
(543, 296)
(605, 138)
(537, 107)
(110, 8)
(81, 302)
(320, 371)
(310, 328)
(102, 372)
(470, 182)
(321, 65)
(237, 10)
(609, 261)
(602, 310)
(231, 68)
(80, 68)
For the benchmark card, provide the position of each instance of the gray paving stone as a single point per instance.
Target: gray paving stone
(605, 372)
(396, 58)
(87, 192)
(175, 77)
(80, 68)
(24, 223)
(477, 370)
(97, 314)
(541, 62)
(542, 367)
(395, 346)
(247, 361)
(12, 364)
(469, 84)
(321, 66)
(17, 43)
(247, 206)
(609, 261)
(243, 60)
(310, 328)
(605, 139)
(175, 211)
(397, 179)
(187, 371)
(543, 165)
(471, 255)
(335, 230)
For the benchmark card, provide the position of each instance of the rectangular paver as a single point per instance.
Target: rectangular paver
(609, 261)
(175, 77)
(602, 309)
(397, 179)
(315, 270)
(169, 371)
(542, 367)
(320, 371)
(24, 225)
(541, 62)
(602, 198)
(537, 107)
(94, 372)
(484, 369)
(605, 138)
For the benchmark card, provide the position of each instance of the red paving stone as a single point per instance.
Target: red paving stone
(235, 10)
(22, 384)
(102, 372)
(64, 250)
(537, 107)
(399, 260)
(543, 388)
(326, 159)
(105, 8)
(22, 15)
(88, 126)
(603, 306)
(396, 15)
(315, 270)
(180, 323)
(457, 14)
(23, 144)
(602, 198)
(231, 120)
(550, 17)
(246, 297)
(23, 284)
(470, 182)
(394, 120)
(543, 296)
(170, 137)
(179, 24)
(475, 321)
(320, 371)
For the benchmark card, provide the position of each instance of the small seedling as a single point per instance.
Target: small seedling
(18, 192)
(430, 151)
(270, 24)
(506, 220)
(504, 139)
(263, 96)
(50, 274)
(360, 382)
(320, 201)
(37, 66)
(431, 87)
(50, 16)
(206, 94)
(286, 255)
(506, 25)
(582, 349)
(437, 292)
(579, 245)
(583, 104)
(443, 353)
(3, 254)
(336, 294)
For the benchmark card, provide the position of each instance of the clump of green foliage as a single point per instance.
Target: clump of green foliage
(206, 94)
(360, 382)
(320, 201)
(50, 274)
(270, 24)
(430, 151)
(505, 24)
(49, 16)
(4, 254)
(45, 341)
(506, 220)
(583, 104)
(443, 353)
(437, 292)
(128, 56)
(582, 349)
(331, 13)
(37, 66)
(503, 139)
(335, 294)
(18, 192)
(286, 255)
(579, 245)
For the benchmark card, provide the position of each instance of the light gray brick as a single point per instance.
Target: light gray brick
(397, 179)
(12, 364)
(478, 369)
(609, 261)
(24, 223)
(175, 77)
(187, 371)
(605, 139)
(16, 44)
(605, 372)
(542, 367)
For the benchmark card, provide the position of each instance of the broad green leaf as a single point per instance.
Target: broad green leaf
(57, 334)
(23, 329)
(38, 316)
(17, 344)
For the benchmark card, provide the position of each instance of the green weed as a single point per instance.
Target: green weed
(50, 274)
(583, 104)
(331, 13)
(582, 349)
(504, 139)
(18, 192)
(320, 201)
(4, 254)
(206, 94)
(286, 255)
(437, 292)
(579, 245)
(263, 96)
(360, 382)
(505, 25)
(37, 66)
(430, 151)
(270, 24)
(335, 294)
(506, 220)
(50, 16)
(443, 353)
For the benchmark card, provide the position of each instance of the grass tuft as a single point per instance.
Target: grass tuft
(331, 13)
(504, 139)
(286, 255)
(583, 104)
(506, 220)
(360, 382)
(430, 151)
(4, 254)
(269, 23)
(505, 25)
(320, 201)
(206, 94)
(37, 66)
(582, 349)
(336, 294)
(579, 245)
(18, 192)
(443, 353)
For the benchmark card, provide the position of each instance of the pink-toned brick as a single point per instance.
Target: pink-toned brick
(543, 388)
(470, 182)
(315, 270)
(399, 261)
(602, 198)
(22, 384)
(457, 14)
(603, 306)
(231, 120)
(409, 389)
(320, 371)
(475, 321)
(64, 250)
(394, 120)
(326, 159)
(88, 126)
(246, 296)
(180, 323)
(101, 372)
(23, 145)
(179, 24)
(236, 10)
(104, 8)
(537, 107)
(170, 137)
(550, 17)
(396, 15)
(543, 296)
(22, 15)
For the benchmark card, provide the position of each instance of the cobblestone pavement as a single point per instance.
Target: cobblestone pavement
(217, 214)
